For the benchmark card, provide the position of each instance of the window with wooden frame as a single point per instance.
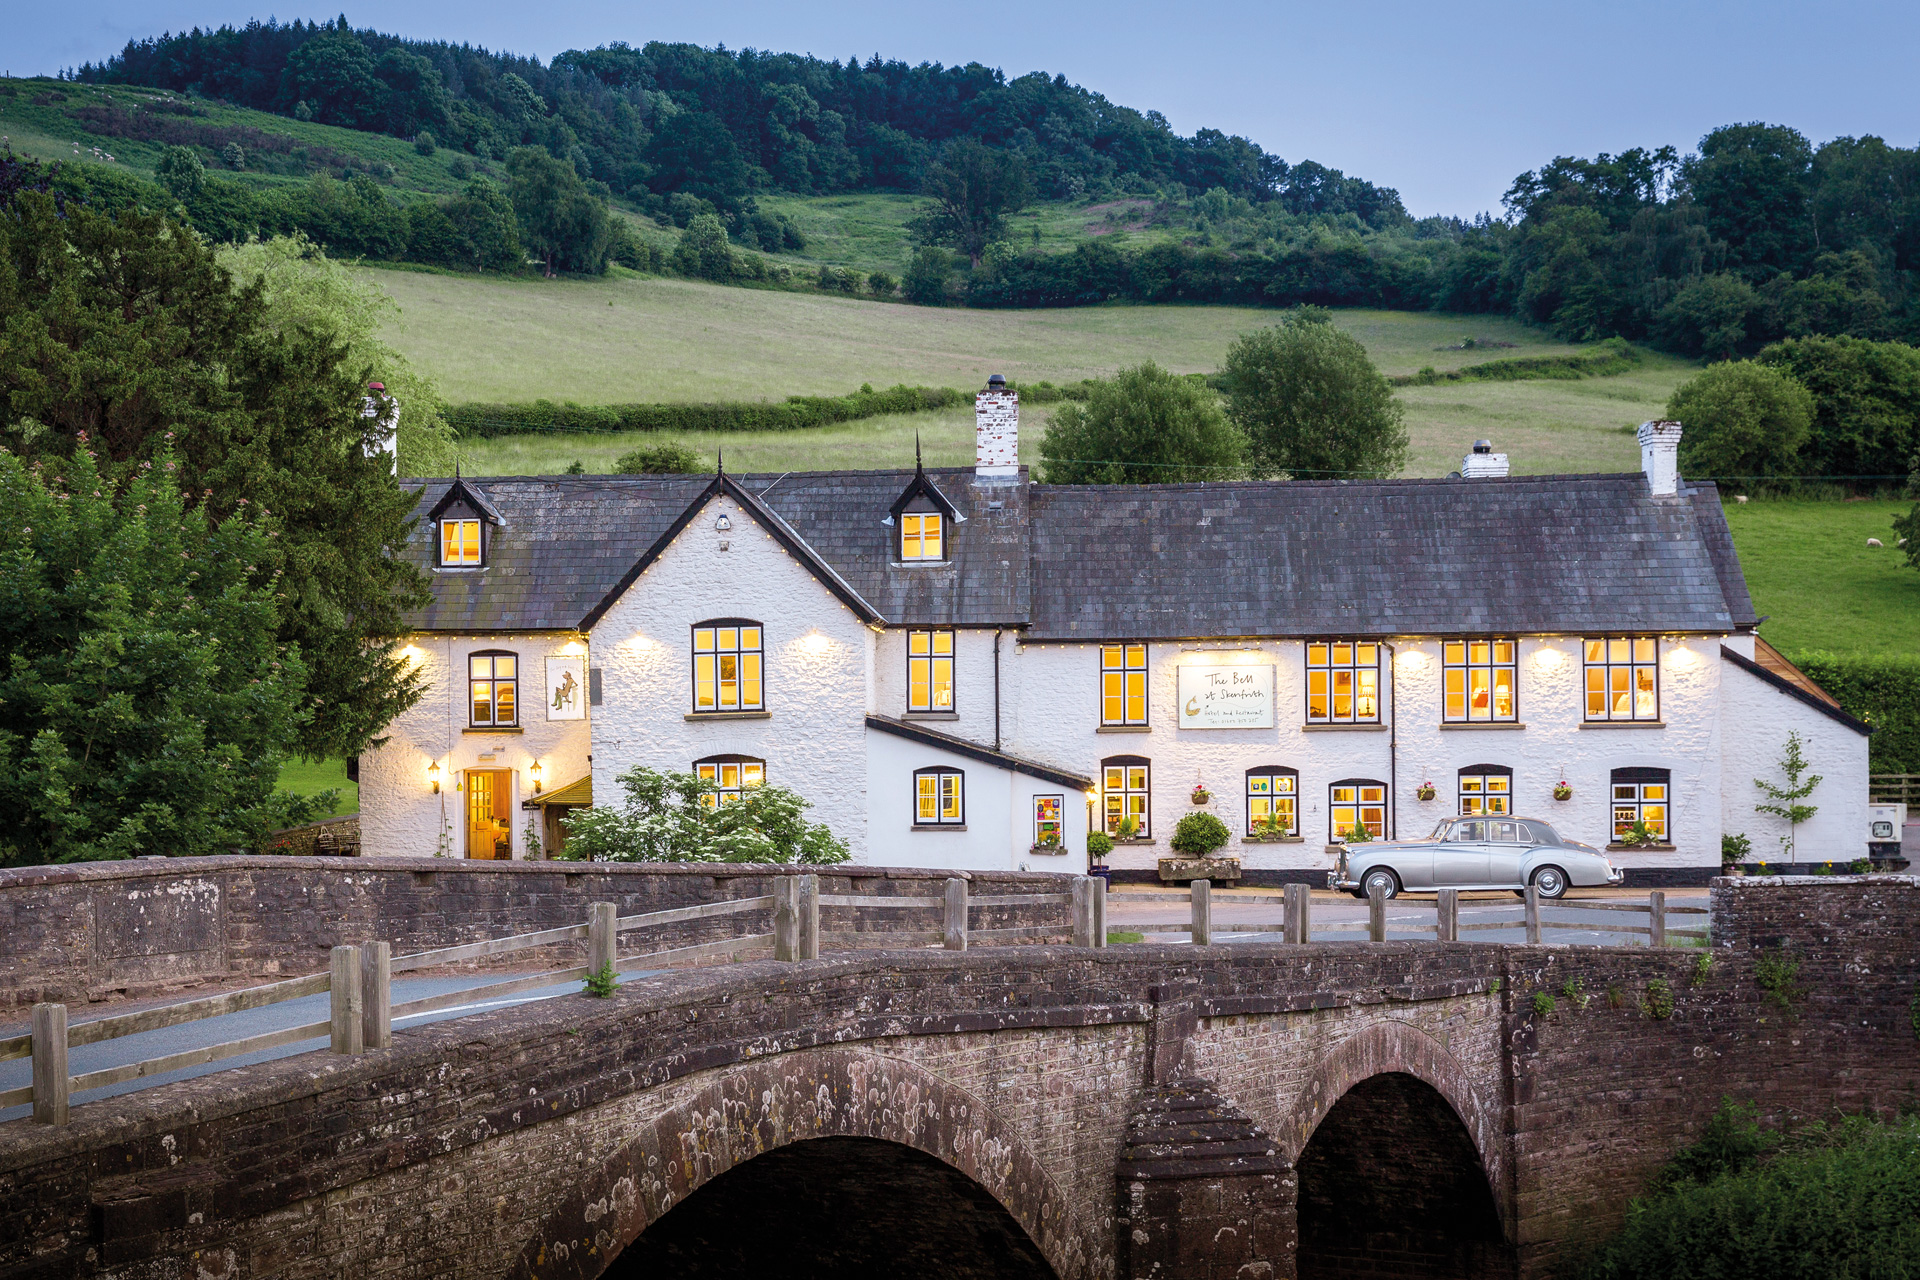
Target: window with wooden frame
(727, 666)
(493, 687)
(1049, 829)
(730, 776)
(459, 543)
(1343, 682)
(1642, 795)
(1357, 803)
(939, 797)
(1123, 684)
(921, 535)
(1477, 681)
(930, 670)
(1486, 788)
(1127, 796)
(1623, 678)
(1273, 801)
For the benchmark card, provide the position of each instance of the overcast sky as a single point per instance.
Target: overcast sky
(1445, 101)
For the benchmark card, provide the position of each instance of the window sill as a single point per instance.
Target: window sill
(487, 728)
(932, 715)
(1623, 724)
(919, 564)
(1643, 848)
(938, 826)
(1343, 728)
(728, 715)
(1481, 724)
(1049, 850)
(459, 568)
(1133, 843)
(1273, 839)
(1124, 728)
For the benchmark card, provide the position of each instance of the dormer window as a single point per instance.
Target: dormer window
(920, 535)
(460, 542)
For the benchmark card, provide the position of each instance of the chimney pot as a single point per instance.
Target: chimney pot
(1660, 456)
(1483, 462)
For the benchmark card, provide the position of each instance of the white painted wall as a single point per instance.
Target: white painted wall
(819, 659)
(999, 813)
(972, 681)
(1757, 718)
(399, 813)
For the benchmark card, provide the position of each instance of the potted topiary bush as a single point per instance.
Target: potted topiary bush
(1199, 834)
(1099, 845)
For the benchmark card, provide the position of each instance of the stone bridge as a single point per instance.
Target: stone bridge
(1169, 1111)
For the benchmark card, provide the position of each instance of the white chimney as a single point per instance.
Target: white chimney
(1483, 462)
(996, 432)
(382, 434)
(1660, 456)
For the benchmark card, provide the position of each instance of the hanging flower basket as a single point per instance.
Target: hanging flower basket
(1200, 795)
(1425, 791)
(1562, 791)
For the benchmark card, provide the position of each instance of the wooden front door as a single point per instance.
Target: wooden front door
(489, 829)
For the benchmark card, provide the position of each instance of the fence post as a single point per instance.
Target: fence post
(1297, 912)
(347, 1005)
(786, 918)
(1533, 916)
(1081, 892)
(376, 992)
(1657, 918)
(1446, 916)
(1099, 893)
(602, 934)
(809, 917)
(956, 913)
(50, 1078)
(1202, 912)
(1376, 913)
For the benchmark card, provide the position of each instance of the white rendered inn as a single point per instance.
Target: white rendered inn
(961, 668)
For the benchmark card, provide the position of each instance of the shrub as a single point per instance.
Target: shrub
(1734, 849)
(794, 413)
(423, 143)
(671, 458)
(1312, 405)
(1099, 844)
(1883, 690)
(1199, 834)
(929, 276)
(703, 251)
(460, 167)
(667, 818)
(882, 285)
(234, 156)
(1743, 421)
(1142, 426)
(179, 170)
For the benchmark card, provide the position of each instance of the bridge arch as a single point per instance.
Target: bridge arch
(719, 1122)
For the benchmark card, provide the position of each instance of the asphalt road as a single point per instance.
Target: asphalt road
(252, 1022)
(1404, 914)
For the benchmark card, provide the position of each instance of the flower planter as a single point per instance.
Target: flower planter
(1424, 793)
(1201, 797)
(1563, 792)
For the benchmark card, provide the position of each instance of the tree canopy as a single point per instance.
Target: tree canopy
(973, 189)
(1312, 404)
(1743, 421)
(1142, 426)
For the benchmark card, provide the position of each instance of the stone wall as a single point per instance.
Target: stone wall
(87, 932)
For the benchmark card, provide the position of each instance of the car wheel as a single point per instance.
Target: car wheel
(1389, 883)
(1551, 882)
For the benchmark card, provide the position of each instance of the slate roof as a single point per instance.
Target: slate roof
(1535, 554)
(1522, 554)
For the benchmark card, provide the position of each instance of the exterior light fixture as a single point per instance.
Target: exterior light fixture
(724, 523)
(535, 771)
(433, 775)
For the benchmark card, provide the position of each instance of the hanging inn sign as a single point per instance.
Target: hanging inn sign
(1226, 697)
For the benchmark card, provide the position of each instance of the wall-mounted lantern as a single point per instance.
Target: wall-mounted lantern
(723, 524)
(535, 772)
(433, 775)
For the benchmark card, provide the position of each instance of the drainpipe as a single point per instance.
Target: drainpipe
(1393, 745)
(996, 688)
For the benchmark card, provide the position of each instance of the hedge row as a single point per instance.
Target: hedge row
(1607, 358)
(1883, 691)
(792, 414)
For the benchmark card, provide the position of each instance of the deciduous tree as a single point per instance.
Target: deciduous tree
(1743, 421)
(1142, 426)
(1312, 404)
(974, 187)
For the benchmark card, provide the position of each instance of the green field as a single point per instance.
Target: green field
(305, 778)
(1819, 584)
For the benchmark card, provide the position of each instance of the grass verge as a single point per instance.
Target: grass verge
(307, 777)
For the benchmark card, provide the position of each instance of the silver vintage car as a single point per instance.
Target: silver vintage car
(1478, 852)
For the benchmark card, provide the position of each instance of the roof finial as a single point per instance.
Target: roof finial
(722, 457)
(917, 467)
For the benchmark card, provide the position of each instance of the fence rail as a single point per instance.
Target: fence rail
(1893, 788)
(358, 979)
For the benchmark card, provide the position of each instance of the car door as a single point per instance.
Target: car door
(1460, 859)
(1508, 844)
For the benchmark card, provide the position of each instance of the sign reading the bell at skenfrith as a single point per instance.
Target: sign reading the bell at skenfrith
(1226, 697)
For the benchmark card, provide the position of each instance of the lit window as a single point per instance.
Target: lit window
(1623, 678)
(1123, 684)
(1343, 682)
(1478, 676)
(929, 670)
(1357, 803)
(1048, 833)
(492, 683)
(1128, 808)
(730, 775)
(459, 542)
(726, 666)
(1486, 788)
(920, 536)
(1272, 801)
(1641, 796)
(939, 797)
